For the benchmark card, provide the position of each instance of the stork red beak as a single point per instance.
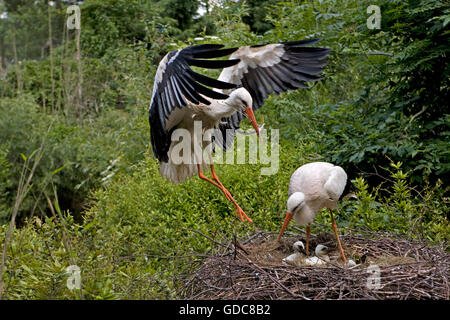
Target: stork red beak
(287, 219)
(251, 117)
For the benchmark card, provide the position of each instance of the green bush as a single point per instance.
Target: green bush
(77, 156)
(400, 113)
(5, 182)
(400, 208)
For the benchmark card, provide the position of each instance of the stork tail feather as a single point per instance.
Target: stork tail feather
(178, 173)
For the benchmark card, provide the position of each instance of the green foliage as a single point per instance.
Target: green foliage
(5, 181)
(401, 208)
(181, 11)
(26, 25)
(38, 260)
(108, 25)
(400, 112)
(83, 155)
(418, 81)
(256, 17)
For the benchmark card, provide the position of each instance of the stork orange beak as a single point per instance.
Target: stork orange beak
(287, 219)
(251, 117)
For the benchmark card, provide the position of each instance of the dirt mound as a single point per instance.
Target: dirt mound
(387, 267)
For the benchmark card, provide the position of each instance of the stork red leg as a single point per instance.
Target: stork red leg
(239, 212)
(227, 194)
(333, 223)
(203, 177)
(216, 179)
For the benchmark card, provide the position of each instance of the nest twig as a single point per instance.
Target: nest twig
(407, 270)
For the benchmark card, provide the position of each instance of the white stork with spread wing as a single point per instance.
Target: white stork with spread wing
(180, 98)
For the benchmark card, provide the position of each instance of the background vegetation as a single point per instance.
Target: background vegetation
(79, 184)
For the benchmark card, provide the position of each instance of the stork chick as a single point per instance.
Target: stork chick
(321, 256)
(312, 187)
(296, 259)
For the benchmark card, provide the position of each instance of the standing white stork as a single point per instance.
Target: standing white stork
(252, 73)
(314, 186)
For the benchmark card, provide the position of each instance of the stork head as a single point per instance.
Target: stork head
(240, 99)
(294, 205)
(295, 202)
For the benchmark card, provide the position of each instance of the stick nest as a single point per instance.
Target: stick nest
(253, 269)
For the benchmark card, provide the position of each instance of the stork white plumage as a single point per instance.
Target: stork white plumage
(180, 97)
(312, 187)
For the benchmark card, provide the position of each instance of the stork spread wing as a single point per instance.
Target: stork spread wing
(176, 83)
(266, 69)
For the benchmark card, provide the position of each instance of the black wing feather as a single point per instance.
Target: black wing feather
(204, 90)
(181, 101)
(187, 90)
(298, 65)
(210, 81)
(208, 54)
(212, 64)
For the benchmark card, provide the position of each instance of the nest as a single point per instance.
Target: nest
(387, 267)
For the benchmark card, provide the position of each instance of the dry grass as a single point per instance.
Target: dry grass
(253, 269)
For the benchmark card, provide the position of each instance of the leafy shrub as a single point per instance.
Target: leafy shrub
(400, 113)
(5, 181)
(402, 209)
(78, 156)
